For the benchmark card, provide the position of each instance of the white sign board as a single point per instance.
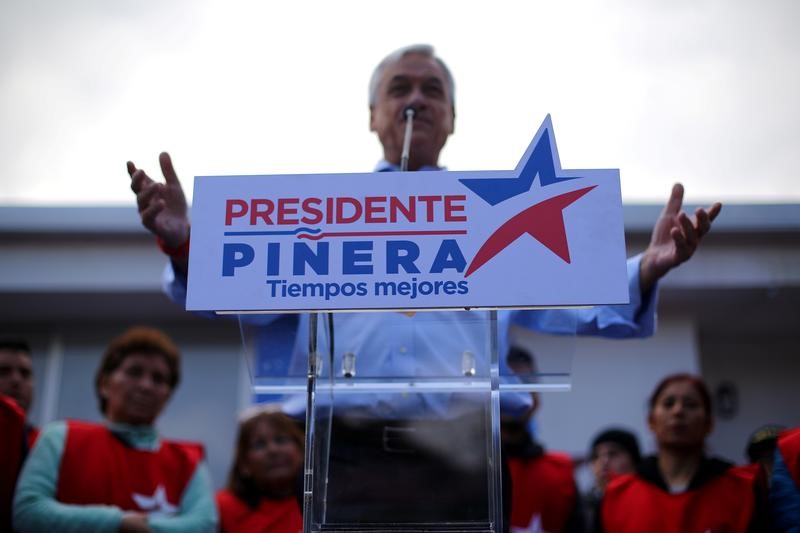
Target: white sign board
(534, 236)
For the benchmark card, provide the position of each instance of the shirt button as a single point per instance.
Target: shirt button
(403, 349)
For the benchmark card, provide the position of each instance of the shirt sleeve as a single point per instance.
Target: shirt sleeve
(197, 512)
(636, 319)
(35, 506)
(174, 286)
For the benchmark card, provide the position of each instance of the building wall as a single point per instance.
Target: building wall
(765, 373)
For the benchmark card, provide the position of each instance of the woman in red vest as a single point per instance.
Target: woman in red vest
(119, 475)
(680, 489)
(261, 492)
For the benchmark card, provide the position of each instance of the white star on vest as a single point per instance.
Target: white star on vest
(157, 504)
(534, 527)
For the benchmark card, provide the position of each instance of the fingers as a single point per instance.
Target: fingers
(675, 201)
(703, 218)
(682, 248)
(139, 180)
(714, 210)
(131, 168)
(702, 221)
(149, 214)
(145, 197)
(688, 230)
(168, 170)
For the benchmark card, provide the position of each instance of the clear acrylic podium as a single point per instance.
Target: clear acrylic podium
(403, 412)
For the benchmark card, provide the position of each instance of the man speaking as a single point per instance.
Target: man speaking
(416, 458)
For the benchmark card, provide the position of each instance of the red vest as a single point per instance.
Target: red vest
(789, 445)
(98, 468)
(542, 489)
(725, 504)
(12, 451)
(271, 516)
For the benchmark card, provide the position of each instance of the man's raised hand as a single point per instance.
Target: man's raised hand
(675, 238)
(162, 206)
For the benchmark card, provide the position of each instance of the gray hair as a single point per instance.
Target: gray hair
(394, 57)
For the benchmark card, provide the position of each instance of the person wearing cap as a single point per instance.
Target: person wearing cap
(614, 451)
(761, 447)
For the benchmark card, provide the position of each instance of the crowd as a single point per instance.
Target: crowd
(121, 475)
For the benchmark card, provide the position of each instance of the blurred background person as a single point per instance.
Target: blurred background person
(761, 448)
(613, 452)
(265, 481)
(18, 435)
(681, 489)
(544, 495)
(523, 364)
(784, 492)
(119, 475)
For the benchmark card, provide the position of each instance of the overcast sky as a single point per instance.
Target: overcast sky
(705, 92)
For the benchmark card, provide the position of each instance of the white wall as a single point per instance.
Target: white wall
(766, 374)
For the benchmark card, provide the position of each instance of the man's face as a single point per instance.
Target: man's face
(16, 376)
(415, 80)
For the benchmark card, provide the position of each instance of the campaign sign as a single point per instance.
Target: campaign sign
(535, 236)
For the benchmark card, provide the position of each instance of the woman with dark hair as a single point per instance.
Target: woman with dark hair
(680, 488)
(119, 475)
(261, 494)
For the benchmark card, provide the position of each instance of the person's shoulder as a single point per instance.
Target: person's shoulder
(745, 473)
(231, 508)
(12, 415)
(84, 426)
(226, 498)
(194, 450)
(7, 403)
(620, 483)
(789, 437)
(558, 459)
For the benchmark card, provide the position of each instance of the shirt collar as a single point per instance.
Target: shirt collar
(139, 437)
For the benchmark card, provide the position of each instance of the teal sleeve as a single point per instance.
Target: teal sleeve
(197, 512)
(35, 506)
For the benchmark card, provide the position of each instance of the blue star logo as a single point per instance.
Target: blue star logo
(540, 159)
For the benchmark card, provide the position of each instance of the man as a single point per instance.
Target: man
(391, 344)
(16, 395)
(413, 76)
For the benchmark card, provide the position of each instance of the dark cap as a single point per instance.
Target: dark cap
(762, 442)
(621, 437)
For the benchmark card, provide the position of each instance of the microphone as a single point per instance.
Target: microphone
(409, 112)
